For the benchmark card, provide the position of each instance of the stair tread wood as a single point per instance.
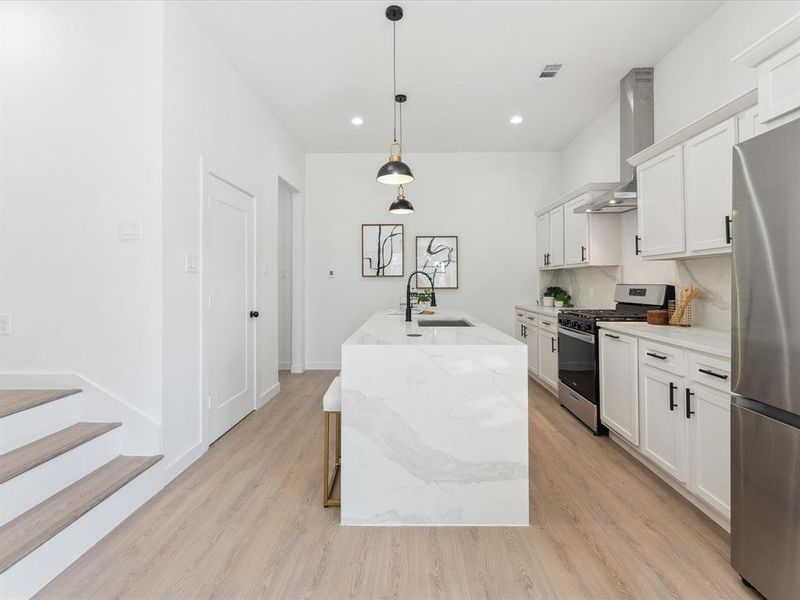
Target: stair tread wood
(22, 535)
(14, 401)
(32, 455)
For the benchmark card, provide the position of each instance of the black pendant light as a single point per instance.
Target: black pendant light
(395, 172)
(401, 206)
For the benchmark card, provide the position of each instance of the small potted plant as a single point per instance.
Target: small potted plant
(424, 299)
(561, 298)
(550, 295)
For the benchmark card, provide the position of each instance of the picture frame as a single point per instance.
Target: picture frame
(437, 255)
(382, 250)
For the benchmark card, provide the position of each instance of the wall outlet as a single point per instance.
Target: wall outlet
(130, 229)
(331, 274)
(192, 263)
(5, 324)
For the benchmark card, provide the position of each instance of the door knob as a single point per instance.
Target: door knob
(253, 314)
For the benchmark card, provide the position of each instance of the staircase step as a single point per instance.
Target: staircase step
(14, 401)
(34, 454)
(23, 535)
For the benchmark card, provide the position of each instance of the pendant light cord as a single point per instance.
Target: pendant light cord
(394, 78)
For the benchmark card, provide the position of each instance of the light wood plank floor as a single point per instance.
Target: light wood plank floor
(246, 521)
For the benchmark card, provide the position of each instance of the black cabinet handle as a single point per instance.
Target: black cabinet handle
(689, 411)
(583, 253)
(658, 356)
(728, 237)
(552, 344)
(616, 337)
(524, 331)
(253, 314)
(636, 240)
(672, 403)
(546, 323)
(709, 372)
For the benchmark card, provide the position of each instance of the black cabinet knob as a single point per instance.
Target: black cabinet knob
(253, 314)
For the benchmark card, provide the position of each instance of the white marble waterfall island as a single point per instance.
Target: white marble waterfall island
(434, 424)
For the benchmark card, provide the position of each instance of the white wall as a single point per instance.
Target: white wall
(209, 110)
(592, 155)
(697, 76)
(81, 149)
(488, 200)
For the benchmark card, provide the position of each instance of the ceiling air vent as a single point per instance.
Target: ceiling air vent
(550, 71)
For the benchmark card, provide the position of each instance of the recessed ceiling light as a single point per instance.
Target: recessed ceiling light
(516, 120)
(588, 210)
(357, 121)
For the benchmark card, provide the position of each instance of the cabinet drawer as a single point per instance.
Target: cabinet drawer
(711, 371)
(531, 319)
(520, 315)
(662, 356)
(548, 323)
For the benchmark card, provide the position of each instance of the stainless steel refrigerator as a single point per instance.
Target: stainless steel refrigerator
(765, 420)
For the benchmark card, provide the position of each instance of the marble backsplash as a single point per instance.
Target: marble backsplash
(593, 287)
(590, 287)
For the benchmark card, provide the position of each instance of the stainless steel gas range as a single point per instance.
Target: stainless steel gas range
(579, 384)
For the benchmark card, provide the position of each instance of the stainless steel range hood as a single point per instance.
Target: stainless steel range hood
(635, 134)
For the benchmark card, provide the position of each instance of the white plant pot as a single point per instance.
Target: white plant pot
(559, 303)
(547, 301)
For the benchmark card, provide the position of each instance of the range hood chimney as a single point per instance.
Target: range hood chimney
(635, 134)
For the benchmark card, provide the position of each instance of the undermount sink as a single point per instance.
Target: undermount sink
(444, 323)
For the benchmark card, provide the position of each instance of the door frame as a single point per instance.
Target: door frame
(298, 277)
(209, 169)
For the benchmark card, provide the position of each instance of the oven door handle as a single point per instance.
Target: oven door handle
(584, 337)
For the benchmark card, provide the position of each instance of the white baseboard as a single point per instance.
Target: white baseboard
(180, 464)
(298, 368)
(268, 395)
(324, 366)
(284, 366)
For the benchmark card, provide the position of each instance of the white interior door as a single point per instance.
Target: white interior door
(230, 251)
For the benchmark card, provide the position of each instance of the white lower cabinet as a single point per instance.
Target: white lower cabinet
(709, 436)
(663, 428)
(619, 387)
(670, 414)
(533, 350)
(548, 357)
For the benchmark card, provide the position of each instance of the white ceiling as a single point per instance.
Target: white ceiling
(466, 66)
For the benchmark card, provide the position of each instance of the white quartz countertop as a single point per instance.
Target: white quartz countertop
(541, 310)
(392, 330)
(701, 339)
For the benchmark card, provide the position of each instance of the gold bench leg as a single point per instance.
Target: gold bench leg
(327, 485)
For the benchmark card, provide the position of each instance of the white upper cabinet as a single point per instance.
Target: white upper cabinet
(708, 161)
(556, 257)
(570, 239)
(685, 192)
(619, 385)
(661, 206)
(576, 233)
(777, 58)
(543, 239)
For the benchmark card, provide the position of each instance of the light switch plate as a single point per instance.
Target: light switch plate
(130, 229)
(192, 263)
(331, 274)
(5, 324)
